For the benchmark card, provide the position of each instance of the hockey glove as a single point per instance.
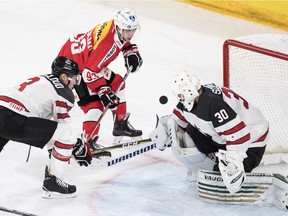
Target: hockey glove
(232, 169)
(160, 135)
(133, 60)
(108, 97)
(81, 153)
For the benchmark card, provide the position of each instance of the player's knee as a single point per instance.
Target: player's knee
(64, 134)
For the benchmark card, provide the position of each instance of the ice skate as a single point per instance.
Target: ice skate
(123, 131)
(55, 188)
(95, 149)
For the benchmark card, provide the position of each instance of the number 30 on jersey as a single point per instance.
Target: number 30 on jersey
(221, 115)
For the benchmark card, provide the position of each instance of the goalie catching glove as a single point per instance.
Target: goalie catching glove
(133, 60)
(108, 97)
(232, 169)
(81, 153)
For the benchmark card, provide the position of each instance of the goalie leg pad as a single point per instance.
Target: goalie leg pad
(259, 189)
(184, 149)
(280, 193)
(192, 159)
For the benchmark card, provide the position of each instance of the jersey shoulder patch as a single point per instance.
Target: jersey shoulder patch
(101, 31)
(212, 89)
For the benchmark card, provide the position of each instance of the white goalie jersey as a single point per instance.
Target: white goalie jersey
(42, 96)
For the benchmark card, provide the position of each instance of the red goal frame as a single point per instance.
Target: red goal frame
(246, 46)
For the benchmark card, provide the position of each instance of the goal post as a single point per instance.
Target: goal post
(256, 67)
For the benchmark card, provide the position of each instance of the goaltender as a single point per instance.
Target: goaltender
(213, 128)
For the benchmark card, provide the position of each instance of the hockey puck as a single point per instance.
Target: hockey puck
(163, 99)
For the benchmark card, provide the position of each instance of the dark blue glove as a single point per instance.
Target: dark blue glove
(108, 97)
(81, 153)
(133, 60)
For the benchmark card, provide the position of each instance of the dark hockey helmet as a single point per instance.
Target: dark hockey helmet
(65, 65)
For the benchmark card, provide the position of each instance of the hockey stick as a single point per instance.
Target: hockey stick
(123, 145)
(124, 157)
(127, 144)
(13, 211)
(107, 107)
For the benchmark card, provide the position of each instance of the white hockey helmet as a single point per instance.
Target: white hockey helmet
(126, 19)
(186, 87)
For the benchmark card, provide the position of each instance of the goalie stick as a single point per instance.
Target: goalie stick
(13, 211)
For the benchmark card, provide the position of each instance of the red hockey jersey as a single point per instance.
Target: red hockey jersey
(94, 51)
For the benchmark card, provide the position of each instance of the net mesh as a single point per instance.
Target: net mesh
(263, 80)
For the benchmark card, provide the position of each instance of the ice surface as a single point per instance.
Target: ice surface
(174, 37)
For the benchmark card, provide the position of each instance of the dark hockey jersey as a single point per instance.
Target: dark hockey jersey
(40, 96)
(226, 117)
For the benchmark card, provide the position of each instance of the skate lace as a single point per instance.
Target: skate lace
(61, 183)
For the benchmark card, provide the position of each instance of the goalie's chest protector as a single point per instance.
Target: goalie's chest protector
(211, 112)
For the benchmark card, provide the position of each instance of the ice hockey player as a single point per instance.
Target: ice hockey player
(26, 113)
(94, 51)
(213, 128)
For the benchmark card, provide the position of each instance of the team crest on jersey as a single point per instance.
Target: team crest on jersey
(132, 17)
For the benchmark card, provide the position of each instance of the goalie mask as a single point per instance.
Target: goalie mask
(126, 19)
(186, 87)
(65, 65)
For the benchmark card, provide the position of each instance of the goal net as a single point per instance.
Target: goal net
(256, 67)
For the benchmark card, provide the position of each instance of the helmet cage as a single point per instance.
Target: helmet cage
(186, 88)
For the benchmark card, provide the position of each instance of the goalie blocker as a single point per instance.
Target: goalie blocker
(258, 189)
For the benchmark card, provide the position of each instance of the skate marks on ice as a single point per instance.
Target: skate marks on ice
(161, 189)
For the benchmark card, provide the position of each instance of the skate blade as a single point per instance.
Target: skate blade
(55, 195)
(124, 139)
(101, 155)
